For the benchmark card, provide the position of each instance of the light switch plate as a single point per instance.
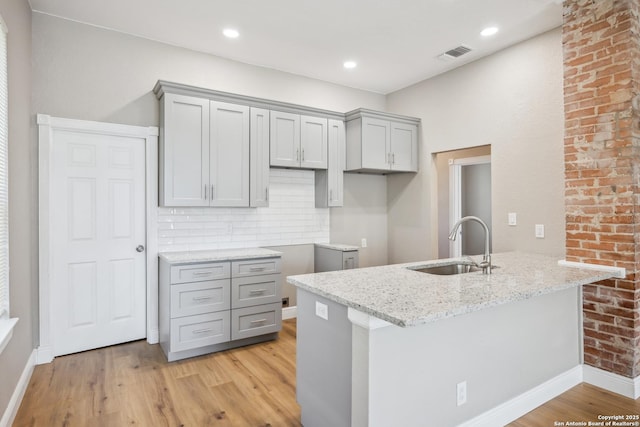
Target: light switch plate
(540, 231)
(513, 218)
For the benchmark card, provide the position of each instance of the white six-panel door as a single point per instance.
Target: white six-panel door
(98, 269)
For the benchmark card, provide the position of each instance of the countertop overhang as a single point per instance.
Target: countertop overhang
(405, 298)
(217, 255)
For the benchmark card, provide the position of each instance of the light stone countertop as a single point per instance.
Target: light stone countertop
(186, 257)
(409, 298)
(337, 246)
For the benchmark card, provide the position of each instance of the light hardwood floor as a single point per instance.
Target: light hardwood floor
(132, 384)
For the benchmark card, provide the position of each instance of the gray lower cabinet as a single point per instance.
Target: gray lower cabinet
(213, 306)
(328, 257)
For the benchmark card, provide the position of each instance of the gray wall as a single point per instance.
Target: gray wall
(84, 72)
(365, 196)
(22, 205)
(511, 100)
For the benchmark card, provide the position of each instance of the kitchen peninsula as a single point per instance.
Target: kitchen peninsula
(390, 345)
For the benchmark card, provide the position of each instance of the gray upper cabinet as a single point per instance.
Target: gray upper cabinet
(329, 183)
(184, 151)
(298, 141)
(313, 142)
(229, 154)
(381, 142)
(259, 158)
(204, 152)
(285, 139)
(216, 148)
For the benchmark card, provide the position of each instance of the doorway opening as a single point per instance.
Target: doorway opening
(464, 188)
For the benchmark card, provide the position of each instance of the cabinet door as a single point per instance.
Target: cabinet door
(313, 142)
(259, 158)
(229, 155)
(404, 147)
(376, 143)
(336, 162)
(329, 183)
(285, 139)
(184, 151)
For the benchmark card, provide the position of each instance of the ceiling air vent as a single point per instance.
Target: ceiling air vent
(455, 53)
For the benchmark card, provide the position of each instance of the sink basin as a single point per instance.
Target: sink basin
(449, 269)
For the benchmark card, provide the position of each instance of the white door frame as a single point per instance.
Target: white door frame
(46, 126)
(455, 195)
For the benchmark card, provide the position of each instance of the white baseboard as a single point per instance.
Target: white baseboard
(527, 401)
(44, 354)
(18, 393)
(153, 336)
(628, 387)
(289, 313)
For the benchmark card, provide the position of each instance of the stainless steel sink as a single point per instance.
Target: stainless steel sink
(449, 269)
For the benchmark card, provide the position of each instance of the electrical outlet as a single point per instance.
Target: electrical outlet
(461, 393)
(285, 302)
(363, 243)
(540, 231)
(322, 310)
(513, 218)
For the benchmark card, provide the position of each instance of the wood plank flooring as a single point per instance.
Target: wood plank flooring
(582, 403)
(132, 384)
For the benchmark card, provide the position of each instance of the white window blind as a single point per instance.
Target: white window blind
(4, 164)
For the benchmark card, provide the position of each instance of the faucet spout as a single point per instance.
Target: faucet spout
(486, 258)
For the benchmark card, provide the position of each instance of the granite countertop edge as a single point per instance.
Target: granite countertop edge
(427, 314)
(217, 255)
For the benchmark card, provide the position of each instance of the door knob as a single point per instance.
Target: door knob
(140, 248)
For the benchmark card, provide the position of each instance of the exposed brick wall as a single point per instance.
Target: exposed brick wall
(601, 40)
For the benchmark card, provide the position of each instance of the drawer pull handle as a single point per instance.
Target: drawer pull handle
(257, 268)
(202, 273)
(257, 291)
(201, 298)
(201, 331)
(258, 321)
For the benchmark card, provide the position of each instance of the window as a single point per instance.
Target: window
(4, 199)
(6, 324)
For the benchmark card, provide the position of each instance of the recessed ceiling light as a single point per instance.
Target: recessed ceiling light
(230, 33)
(489, 31)
(350, 64)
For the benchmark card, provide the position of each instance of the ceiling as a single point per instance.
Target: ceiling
(395, 43)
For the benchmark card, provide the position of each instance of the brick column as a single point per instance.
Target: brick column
(601, 43)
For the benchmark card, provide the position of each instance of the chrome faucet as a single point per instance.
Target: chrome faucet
(486, 259)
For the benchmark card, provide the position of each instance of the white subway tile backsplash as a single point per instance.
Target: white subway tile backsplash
(291, 218)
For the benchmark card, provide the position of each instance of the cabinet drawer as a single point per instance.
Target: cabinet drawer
(198, 331)
(256, 290)
(200, 272)
(188, 299)
(254, 267)
(251, 321)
